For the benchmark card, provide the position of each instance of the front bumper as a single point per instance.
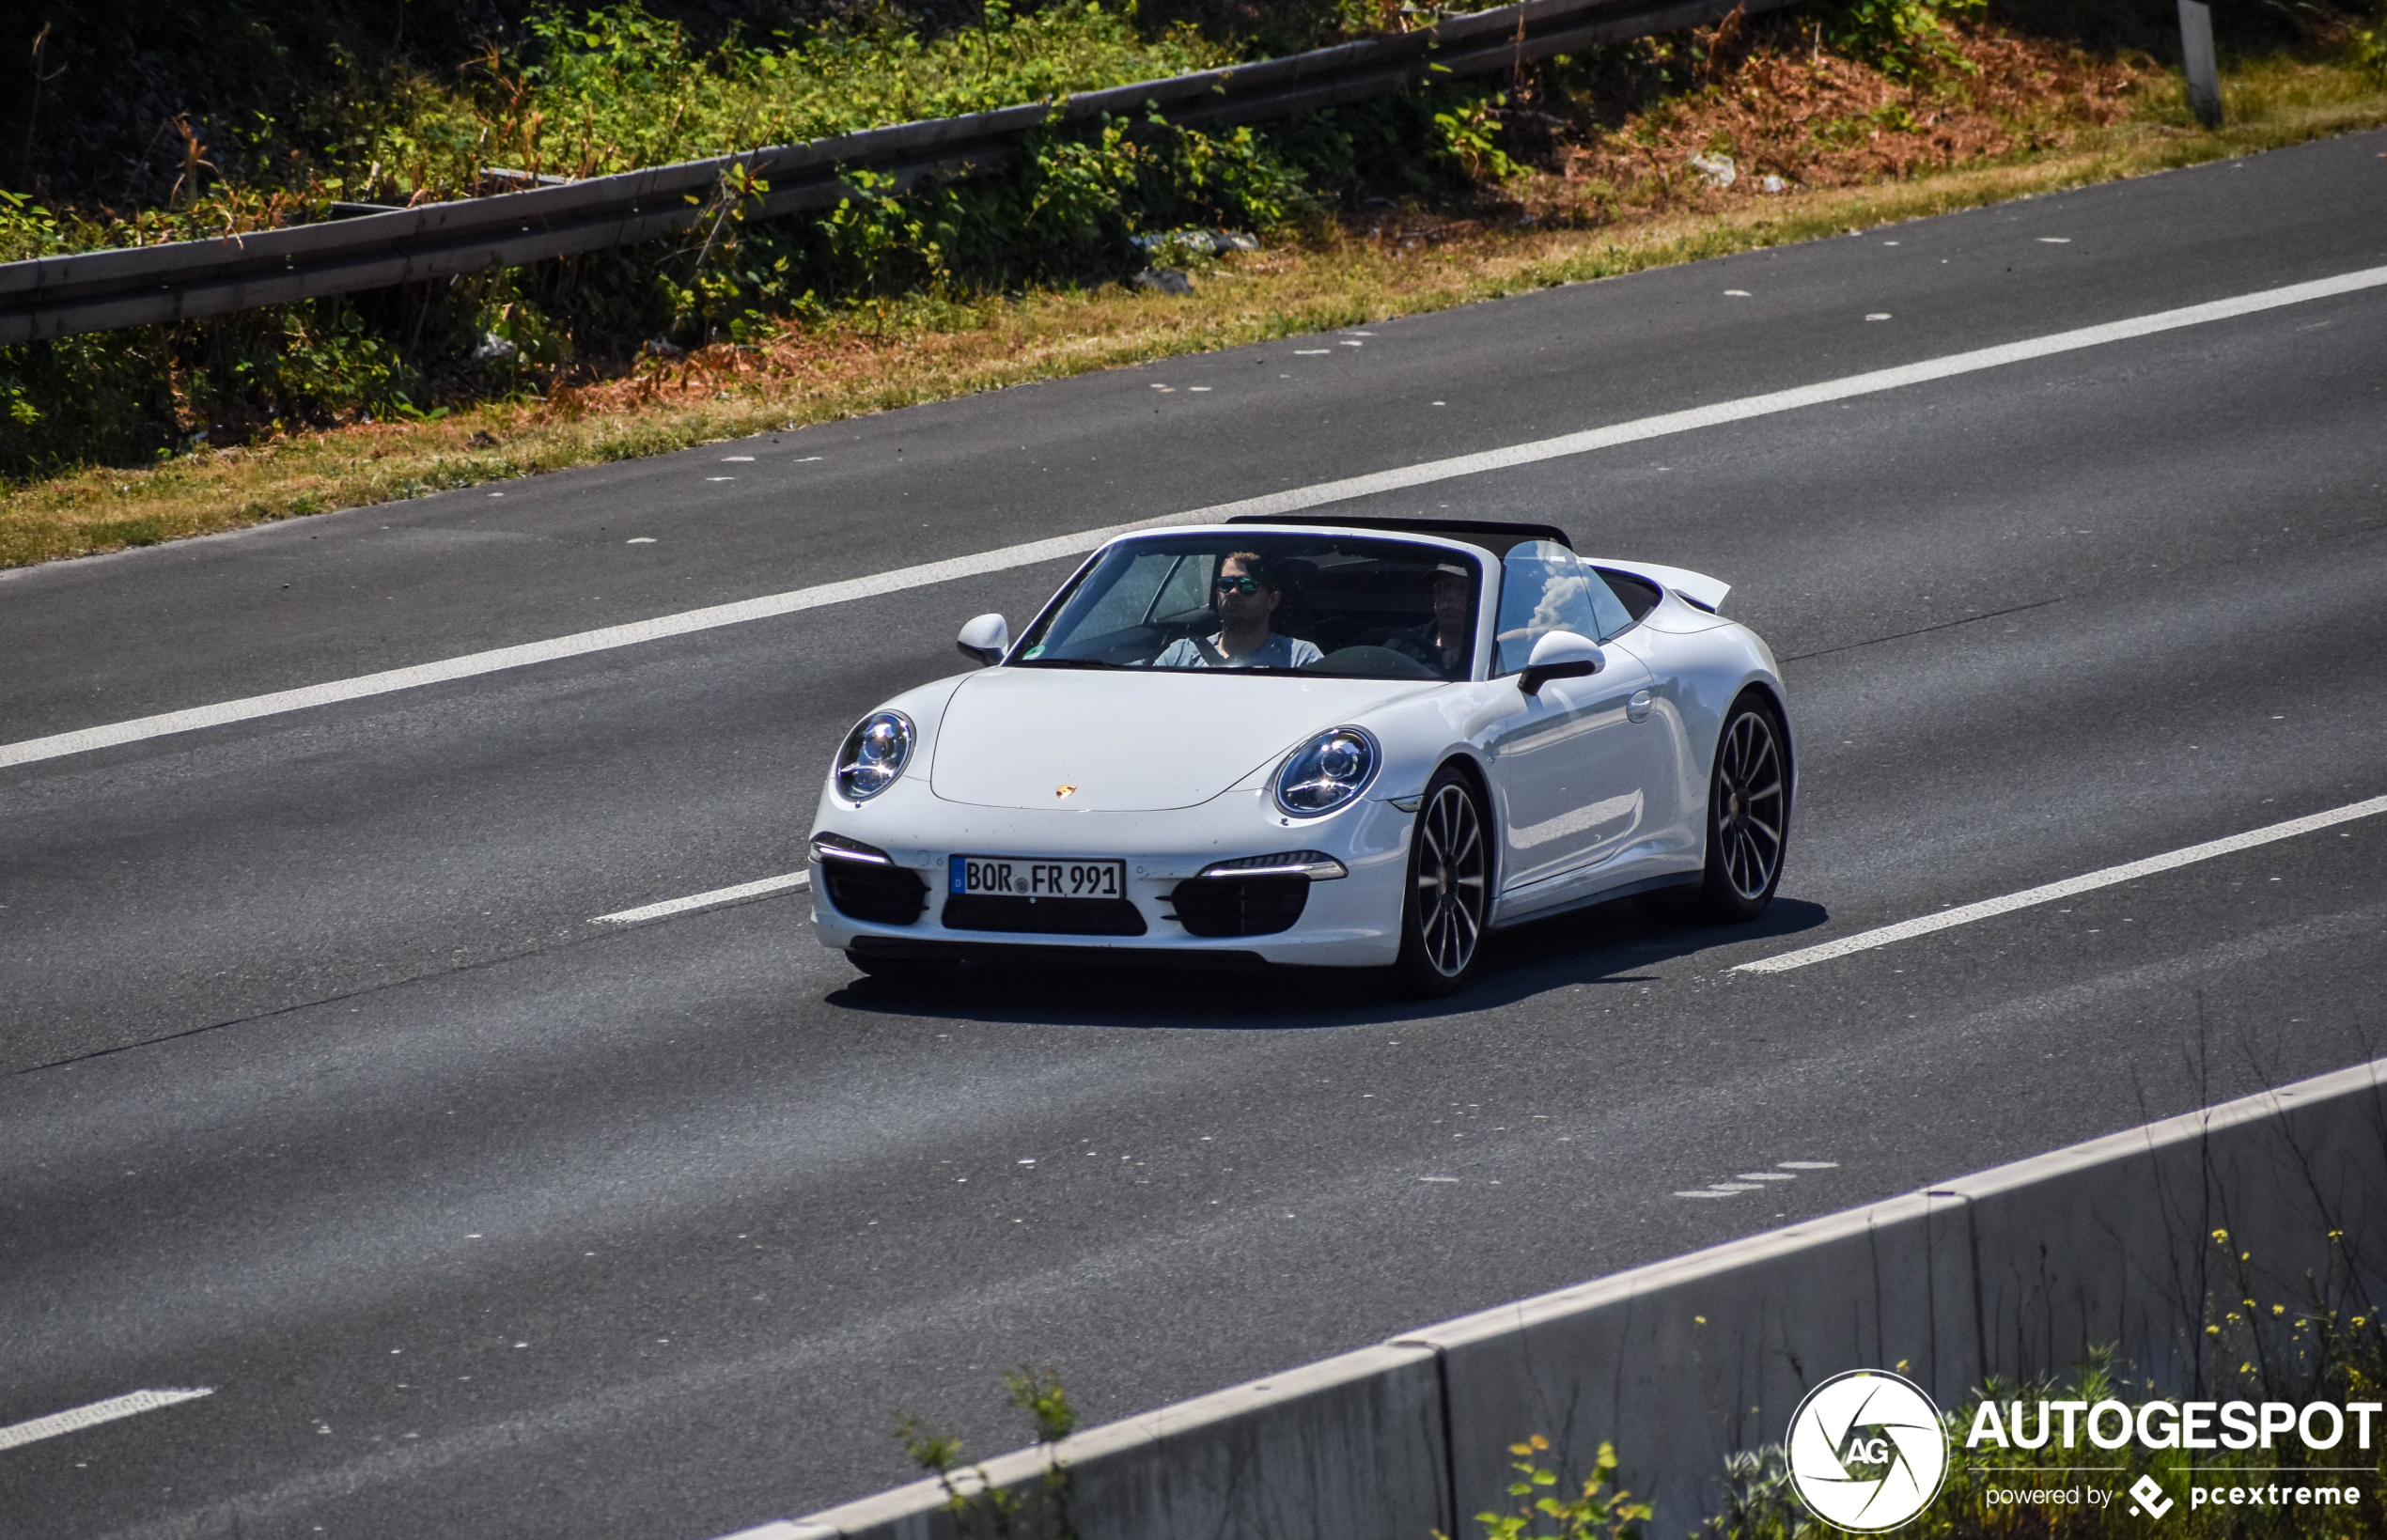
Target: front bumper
(1351, 922)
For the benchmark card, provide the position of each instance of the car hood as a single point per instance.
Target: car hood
(1130, 741)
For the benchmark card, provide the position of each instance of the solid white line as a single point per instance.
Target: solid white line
(1905, 930)
(707, 900)
(1291, 500)
(99, 1412)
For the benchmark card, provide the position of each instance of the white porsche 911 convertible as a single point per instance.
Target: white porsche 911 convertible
(1343, 741)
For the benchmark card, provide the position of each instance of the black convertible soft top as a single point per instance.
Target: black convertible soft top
(1493, 537)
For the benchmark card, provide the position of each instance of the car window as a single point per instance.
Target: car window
(1354, 606)
(1132, 595)
(1183, 592)
(1639, 595)
(1543, 588)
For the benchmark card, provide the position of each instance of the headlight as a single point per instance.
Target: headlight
(1327, 771)
(874, 753)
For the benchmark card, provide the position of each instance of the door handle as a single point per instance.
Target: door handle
(1637, 708)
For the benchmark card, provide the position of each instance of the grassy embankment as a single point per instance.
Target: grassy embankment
(1537, 186)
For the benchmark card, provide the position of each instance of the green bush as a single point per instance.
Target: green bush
(1901, 37)
(106, 398)
(589, 92)
(2370, 45)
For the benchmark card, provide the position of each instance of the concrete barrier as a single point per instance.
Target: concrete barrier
(2015, 1271)
(1351, 1446)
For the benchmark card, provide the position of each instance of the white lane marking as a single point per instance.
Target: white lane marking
(1906, 930)
(1292, 500)
(99, 1412)
(707, 900)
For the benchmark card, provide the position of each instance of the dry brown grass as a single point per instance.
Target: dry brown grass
(2034, 120)
(1813, 119)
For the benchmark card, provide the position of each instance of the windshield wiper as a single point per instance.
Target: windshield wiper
(1065, 662)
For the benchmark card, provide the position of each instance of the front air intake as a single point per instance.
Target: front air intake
(862, 882)
(1229, 905)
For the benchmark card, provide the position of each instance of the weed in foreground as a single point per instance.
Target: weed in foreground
(1599, 1511)
(982, 1510)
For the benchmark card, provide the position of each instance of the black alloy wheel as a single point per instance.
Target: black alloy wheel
(1748, 815)
(1449, 897)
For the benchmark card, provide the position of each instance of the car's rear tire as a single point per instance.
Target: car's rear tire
(1748, 813)
(1449, 897)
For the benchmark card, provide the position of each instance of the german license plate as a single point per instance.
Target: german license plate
(1037, 877)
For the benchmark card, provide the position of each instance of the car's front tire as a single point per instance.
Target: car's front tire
(1448, 898)
(1748, 813)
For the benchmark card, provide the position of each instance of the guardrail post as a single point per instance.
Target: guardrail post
(2197, 57)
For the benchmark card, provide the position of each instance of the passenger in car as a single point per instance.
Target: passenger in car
(1441, 644)
(1245, 594)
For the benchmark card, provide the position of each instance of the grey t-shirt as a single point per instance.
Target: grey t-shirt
(1278, 652)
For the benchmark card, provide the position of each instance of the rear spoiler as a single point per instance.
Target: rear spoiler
(1697, 588)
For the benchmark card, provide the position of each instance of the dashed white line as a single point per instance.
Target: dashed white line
(761, 889)
(1864, 941)
(99, 1412)
(1292, 500)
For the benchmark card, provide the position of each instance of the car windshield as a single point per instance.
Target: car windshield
(1346, 606)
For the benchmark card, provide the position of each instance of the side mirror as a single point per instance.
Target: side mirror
(1560, 655)
(985, 640)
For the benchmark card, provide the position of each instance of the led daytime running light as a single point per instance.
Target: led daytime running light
(1314, 864)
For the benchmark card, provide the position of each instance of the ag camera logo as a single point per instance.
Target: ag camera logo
(1867, 1450)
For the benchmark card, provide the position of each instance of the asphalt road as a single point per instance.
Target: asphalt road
(323, 1092)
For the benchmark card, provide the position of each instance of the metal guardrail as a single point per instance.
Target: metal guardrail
(96, 291)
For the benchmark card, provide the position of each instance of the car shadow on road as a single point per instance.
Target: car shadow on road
(1614, 944)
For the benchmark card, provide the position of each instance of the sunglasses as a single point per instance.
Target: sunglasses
(1238, 585)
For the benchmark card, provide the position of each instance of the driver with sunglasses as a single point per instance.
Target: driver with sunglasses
(1246, 595)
